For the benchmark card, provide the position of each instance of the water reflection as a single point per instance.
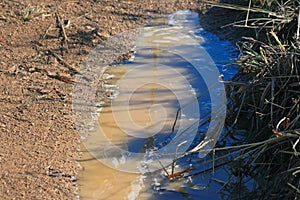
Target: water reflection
(149, 95)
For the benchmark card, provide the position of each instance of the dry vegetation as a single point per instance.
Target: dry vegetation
(265, 101)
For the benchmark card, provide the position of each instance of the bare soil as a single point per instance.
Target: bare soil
(39, 56)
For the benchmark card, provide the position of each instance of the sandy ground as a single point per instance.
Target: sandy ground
(39, 143)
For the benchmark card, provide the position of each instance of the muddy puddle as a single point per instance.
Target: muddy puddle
(153, 106)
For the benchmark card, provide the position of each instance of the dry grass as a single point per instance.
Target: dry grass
(265, 105)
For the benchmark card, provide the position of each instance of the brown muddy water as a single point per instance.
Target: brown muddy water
(144, 97)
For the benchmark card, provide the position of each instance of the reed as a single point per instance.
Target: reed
(266, 103)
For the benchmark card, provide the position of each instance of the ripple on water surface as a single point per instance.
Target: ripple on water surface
(136, 131)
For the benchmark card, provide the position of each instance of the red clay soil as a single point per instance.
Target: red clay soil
(39, 143)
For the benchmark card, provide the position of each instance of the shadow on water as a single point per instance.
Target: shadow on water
(154, 105)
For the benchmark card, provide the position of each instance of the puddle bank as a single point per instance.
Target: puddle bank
(137, 133)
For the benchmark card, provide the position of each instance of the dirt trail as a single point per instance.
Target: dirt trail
(42, 45)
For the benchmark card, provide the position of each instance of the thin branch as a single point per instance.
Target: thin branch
(63, 62)
(242, 8)
(298, 29)
(248, 12)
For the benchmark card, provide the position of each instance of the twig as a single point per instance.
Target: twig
(275, 104)
(272, 98)
(238, 114)
(60, 78)
(163, 168)
(282, 48)
(248, 12)
(295, 145)
(189, 103)
(44, 36)
(62, 31)
(298, 29)
(242, 8)
(61, 25)
(295, 188)
(175, 121)
(63, 62)
(280, 122)
(254, 22)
